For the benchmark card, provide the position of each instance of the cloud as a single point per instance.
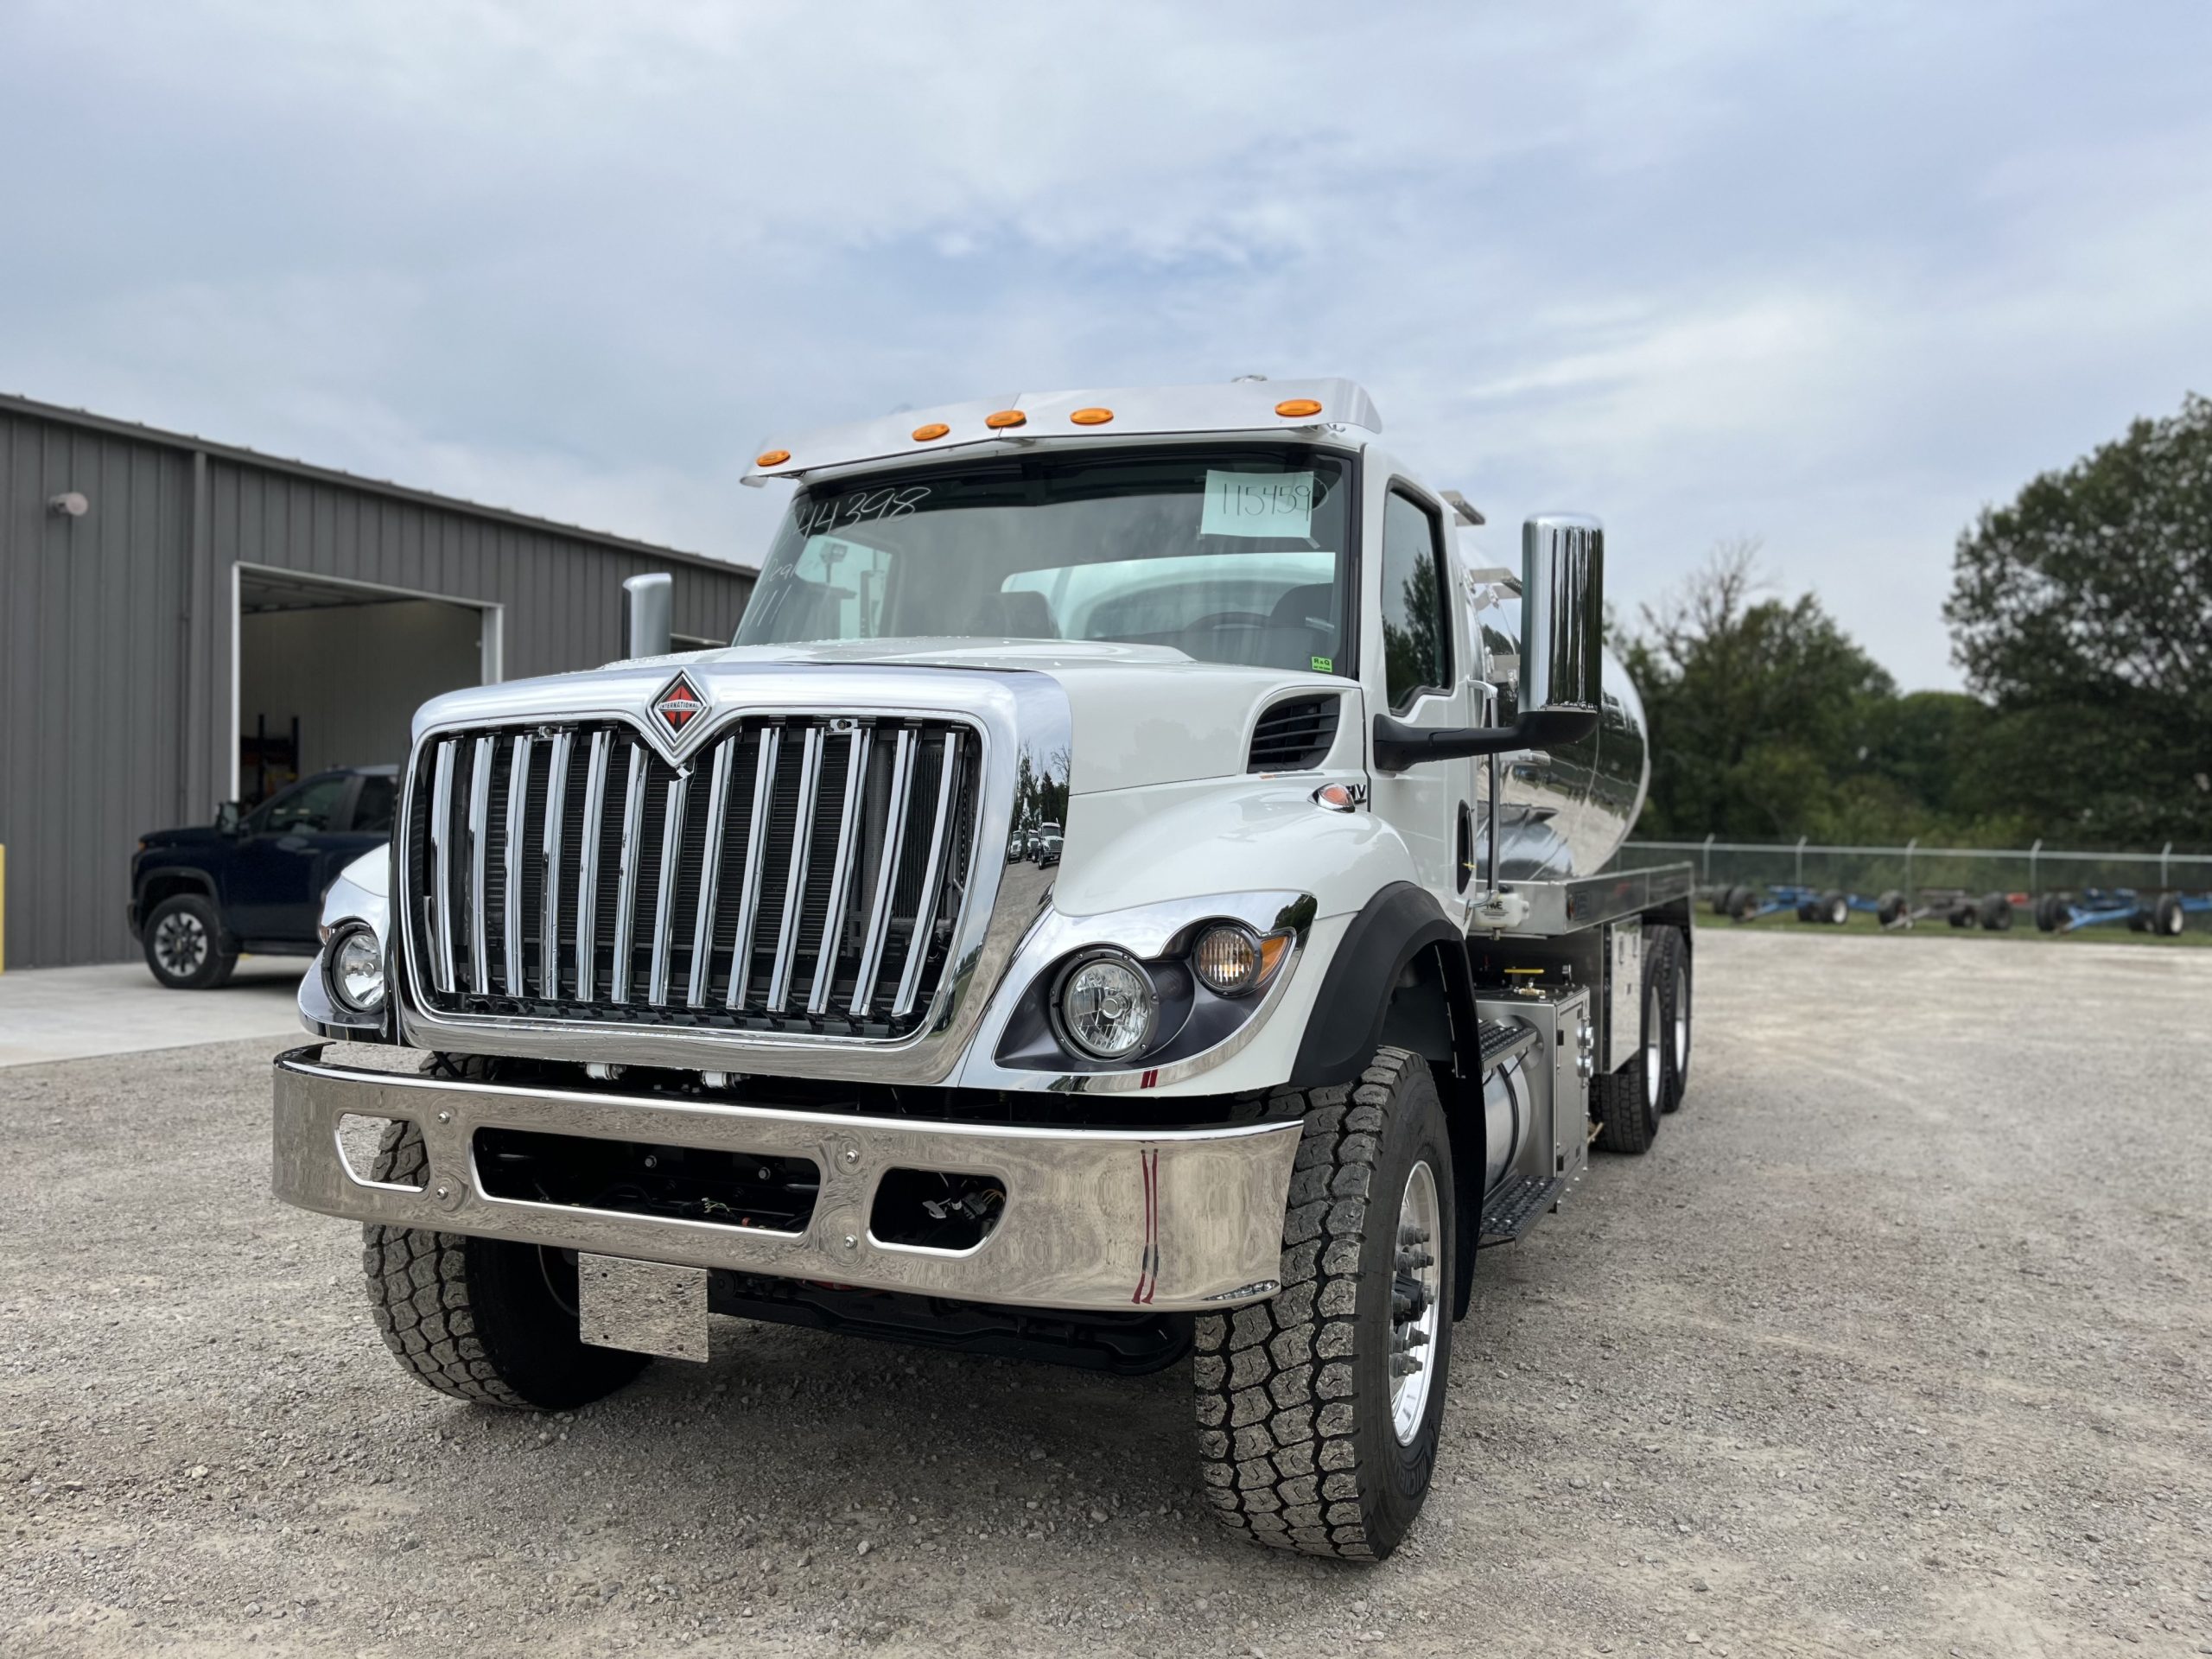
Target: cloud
(1835, 275)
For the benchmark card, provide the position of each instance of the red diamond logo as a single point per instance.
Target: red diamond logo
(679, 704)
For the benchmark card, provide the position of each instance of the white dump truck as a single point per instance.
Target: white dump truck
(1137, 890)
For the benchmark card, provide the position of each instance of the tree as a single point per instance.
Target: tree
(2083, 611)
(1758, 708)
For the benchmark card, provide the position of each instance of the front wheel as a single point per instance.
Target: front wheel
(1319, 1411)
(184, 944)
(488, 1320)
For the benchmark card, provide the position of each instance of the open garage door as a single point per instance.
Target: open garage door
(330, 673)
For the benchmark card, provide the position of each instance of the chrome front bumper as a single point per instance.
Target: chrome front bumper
(1093, 1219)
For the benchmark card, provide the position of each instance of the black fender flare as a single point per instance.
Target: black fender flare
(169, 880)
(1395, 926)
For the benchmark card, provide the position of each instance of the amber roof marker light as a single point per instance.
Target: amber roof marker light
(930, 433)
(1092, 416)
(772, 457)
(1291, 408)
(1005, 418)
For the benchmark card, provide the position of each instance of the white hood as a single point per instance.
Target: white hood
(1142, 715)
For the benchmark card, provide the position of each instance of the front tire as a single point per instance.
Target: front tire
(486, 1320)
(1319, 1411)
(184, 944)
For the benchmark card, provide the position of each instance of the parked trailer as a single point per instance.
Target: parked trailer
(2167, 915)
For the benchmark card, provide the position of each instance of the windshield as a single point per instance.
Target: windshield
(1240, 554)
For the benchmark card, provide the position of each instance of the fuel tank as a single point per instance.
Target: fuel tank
(1566, 810)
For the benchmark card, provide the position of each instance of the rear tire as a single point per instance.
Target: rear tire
(1961, 914)
(1995, 913)
(1892, 909)
(1310, 1437)
(184, 944)
(2050, 913)
(1743, 903)
(1834, 909)
(1627, 1102)
(1667, 954)
(486, 1320)
(2169, 918)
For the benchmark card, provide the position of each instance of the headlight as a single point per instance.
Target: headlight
(1106, 1006)
(356, 968)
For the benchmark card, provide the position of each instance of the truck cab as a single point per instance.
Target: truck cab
(1134, 891)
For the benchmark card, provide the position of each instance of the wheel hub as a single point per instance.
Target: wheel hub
(1416, 1289)
(180, 942)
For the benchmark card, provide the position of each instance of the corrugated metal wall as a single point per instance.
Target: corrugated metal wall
(116, 637)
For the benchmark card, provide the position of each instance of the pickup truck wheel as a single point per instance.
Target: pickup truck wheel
(486, 1320)
(1667, 958)
(184, 944)
(1627, 1102)
(1320, 1410)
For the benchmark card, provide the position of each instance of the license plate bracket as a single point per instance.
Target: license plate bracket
(645, 1307)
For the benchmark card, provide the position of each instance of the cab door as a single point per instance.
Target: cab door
(1413, 671)
(280, 866)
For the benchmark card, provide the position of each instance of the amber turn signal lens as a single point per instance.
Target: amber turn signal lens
(1092, 416)
(1005, 418)
(772, 457)
(1296, 406)
(930, 433)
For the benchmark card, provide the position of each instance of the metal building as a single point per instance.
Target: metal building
(183, 623)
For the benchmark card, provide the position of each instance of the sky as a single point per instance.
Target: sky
(1832, 275)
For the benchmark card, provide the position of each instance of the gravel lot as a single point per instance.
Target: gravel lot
(1900, 1341)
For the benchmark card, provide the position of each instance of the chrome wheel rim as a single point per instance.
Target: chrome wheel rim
(1654, 1049)
(180, 945)
(1415, 1288)
(1682, 1028)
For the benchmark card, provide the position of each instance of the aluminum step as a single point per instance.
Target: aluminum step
(1513, 1208)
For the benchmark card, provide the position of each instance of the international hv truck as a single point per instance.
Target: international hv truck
(1133, 892)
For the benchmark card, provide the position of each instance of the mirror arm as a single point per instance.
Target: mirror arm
(1398, 745)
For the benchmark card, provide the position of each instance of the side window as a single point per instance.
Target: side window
(372, 806)
(1416, 624)
(304, 807)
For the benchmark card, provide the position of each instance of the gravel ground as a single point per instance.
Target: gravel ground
(1900, 1341)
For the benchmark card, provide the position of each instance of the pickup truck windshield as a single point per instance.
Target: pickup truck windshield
(1241, 554)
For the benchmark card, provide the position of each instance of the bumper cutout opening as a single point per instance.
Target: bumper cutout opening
(638, 1178)
(931, 1210)
(362, 1138)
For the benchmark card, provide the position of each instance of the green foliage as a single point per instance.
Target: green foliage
(2083, 612)
(2082, 615)
(1759, 708)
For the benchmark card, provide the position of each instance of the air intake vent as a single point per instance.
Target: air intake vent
(1295, 735)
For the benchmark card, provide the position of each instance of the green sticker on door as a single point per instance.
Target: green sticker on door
(1325, 665)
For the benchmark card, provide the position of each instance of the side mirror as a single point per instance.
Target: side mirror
(1562, 653)
(1562, 611)
(227, 818)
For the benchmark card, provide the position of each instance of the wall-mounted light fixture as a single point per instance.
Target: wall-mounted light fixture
(70, 504)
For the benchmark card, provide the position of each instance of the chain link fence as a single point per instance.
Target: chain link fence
(1917, 871)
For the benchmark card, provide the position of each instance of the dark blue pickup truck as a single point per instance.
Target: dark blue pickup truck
(253, 881)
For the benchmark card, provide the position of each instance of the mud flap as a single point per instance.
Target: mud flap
(643, 1307)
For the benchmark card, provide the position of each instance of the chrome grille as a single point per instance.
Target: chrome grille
(797, 874)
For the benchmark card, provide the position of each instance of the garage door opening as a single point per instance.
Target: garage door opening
(330, 673)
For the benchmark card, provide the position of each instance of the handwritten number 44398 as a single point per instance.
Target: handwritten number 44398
(862, 506)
